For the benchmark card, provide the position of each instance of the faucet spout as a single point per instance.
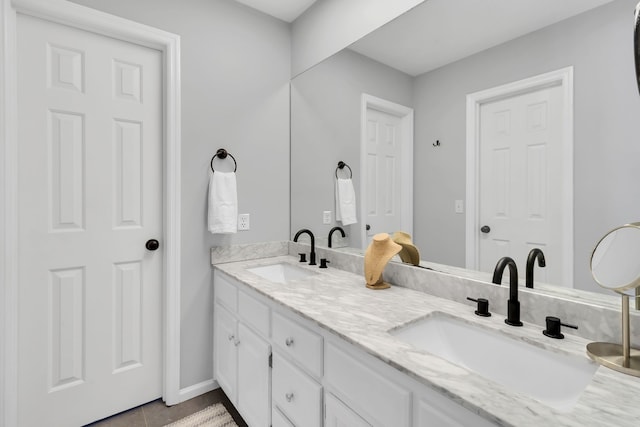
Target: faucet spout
(531, 259)
(312, 255)
(335, 229)
(513, 305)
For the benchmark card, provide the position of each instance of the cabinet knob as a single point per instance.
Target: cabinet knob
(289, 342)
(236, 342)
(289, 397)
(231, 337)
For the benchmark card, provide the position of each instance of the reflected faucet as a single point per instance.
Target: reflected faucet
(335, 229)
(531, 259)
(312, 255)
(513, 305)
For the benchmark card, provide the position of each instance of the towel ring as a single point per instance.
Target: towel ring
(222, 154)
(341, 165)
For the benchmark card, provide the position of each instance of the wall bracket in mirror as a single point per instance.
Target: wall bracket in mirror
(615, 265)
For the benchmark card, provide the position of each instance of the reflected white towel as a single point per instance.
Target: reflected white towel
(345, 202)
(223, 202)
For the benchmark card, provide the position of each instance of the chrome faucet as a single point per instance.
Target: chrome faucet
(335, 229)
(312, 255)
(513, 305)
(531, 259)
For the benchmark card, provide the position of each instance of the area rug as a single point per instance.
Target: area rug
(211, 416)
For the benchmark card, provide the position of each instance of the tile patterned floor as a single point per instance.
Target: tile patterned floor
(157, 414)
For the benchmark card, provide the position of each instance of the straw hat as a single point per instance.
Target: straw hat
(376, 257)
(409, 252)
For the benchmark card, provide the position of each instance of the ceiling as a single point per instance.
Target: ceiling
(285, 10)
(438, 32)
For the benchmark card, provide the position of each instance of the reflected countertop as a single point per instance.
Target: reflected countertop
(338, 302)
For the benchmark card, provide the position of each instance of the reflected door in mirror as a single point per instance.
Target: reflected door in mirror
(383, 157)
(520, 147)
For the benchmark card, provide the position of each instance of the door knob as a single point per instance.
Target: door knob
(485, 229)
(367, 227)
(152, 244)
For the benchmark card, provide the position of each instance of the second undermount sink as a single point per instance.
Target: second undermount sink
(281, 272)
(552, 378)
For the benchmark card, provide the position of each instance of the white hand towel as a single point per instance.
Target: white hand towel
(345, 202)
(223, 202)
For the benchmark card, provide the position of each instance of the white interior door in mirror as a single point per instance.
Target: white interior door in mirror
(520, 162)
(90, 196)
(383, 169)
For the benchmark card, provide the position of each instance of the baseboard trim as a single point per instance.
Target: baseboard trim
(196, 390)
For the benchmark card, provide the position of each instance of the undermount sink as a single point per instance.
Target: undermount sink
(551, 378)
(281, 272)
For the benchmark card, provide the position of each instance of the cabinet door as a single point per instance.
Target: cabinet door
(225, 359)
(254, 382)
(337, 414)
(437, 411)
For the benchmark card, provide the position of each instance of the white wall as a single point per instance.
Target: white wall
(235, 95)
(325, 128)
(329, 26)
(599, 45)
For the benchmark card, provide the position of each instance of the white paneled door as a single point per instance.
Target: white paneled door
(90, 199)
(383, 172)
(520, 199)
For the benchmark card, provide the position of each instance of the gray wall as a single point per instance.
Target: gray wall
(235, 94)
(606, 146)
(325, 128)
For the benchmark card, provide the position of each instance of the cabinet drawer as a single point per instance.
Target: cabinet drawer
(225, 292)
(338, 414)
(304, 346)
(254, 313)
(379, 400)
(279, 420)
(295, 394)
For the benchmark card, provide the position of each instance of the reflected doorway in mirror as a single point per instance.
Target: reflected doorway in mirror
(519, 148)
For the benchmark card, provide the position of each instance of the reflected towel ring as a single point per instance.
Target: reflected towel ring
(341, 165)
(222, 154)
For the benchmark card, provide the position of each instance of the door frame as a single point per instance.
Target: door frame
(406, 192)
(563, 78)
(81, 17)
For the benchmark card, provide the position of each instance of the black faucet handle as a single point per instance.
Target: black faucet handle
(323, 262)
(483, 306)
(553, 327)
(303, 257)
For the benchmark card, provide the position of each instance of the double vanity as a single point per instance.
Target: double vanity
(297, 345)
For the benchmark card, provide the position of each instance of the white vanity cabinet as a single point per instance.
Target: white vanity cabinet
(317, 379)
(241, 355)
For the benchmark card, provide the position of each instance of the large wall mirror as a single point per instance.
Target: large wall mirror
(430, 60)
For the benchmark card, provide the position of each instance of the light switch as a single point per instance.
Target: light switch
(459, 206)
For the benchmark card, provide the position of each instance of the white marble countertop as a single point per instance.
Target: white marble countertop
(339, 302)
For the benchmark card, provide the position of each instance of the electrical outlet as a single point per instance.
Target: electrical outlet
(243, 222)
(326, 217)
(459, 206)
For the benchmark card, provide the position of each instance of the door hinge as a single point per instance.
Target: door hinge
(271, 360)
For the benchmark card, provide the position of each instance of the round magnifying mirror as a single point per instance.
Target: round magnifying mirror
(615, 261)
